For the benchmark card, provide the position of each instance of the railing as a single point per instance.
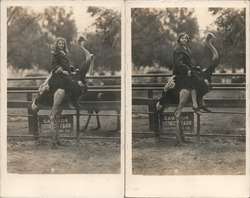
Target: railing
(149, 100)
(31, 91)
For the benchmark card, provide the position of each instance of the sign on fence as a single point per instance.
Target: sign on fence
(65, 124)
(168, 121)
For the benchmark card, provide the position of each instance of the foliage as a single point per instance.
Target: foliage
(21, 43)
(231, 32)
(154, 33)
(31, 35)
(59, 23)
(105, 42)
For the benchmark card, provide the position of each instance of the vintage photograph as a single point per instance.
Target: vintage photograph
(127, 98)
(188, 90)
(63, 89)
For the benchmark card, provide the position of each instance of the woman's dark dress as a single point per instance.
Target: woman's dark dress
(60, 80)
(182, 63)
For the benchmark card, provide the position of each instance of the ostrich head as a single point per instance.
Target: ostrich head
(210, 36)
(80, 39)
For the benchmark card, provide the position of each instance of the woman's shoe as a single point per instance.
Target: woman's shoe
(205, 109)
(197, 110)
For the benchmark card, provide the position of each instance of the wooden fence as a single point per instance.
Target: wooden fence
(139, 84)
(224, 106)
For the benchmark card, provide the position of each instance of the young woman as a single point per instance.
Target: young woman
(60, 75)
(185, 83)
(61, 67)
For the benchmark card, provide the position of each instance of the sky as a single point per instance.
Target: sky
(80, 13)
(204, 18)
(84, 20)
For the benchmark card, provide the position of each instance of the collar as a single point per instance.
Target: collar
(180, 49)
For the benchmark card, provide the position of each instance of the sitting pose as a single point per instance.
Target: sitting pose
(185, 78)
(185, 82)
(202, 86)
(60, 77)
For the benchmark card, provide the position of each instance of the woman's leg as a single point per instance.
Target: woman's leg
(194, 98)
(184, 96)
(200, 101)
(194, 101)
(202, 104)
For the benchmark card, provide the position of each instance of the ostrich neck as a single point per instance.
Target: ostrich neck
(89, 62)
(87, 54)
(213, 49)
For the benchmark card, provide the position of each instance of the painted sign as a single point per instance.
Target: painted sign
(168, 121)
(65, 124)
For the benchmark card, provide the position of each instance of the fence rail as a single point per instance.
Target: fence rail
(30, 91)
(225, 106)
(150, 100)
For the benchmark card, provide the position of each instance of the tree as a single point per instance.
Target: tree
(105, 43)
(147, 36)
(23, 33)
(31, 35)
(231, 32)
(154, 33)
(59, 23)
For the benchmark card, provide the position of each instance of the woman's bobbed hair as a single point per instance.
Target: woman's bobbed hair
(181, 35)
(55, 47)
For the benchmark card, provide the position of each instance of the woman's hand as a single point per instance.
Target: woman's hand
(189, 73)
(207, 82)
(65, 72)
(59, 70)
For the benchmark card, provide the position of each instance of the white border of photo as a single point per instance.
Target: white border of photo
(60, 185)
(183, 186)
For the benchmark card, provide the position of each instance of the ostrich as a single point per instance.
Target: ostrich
(203, 82)
(100, 97)
(59, 99)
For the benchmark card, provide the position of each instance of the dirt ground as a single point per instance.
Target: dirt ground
(91, 157)
(150, 156)
(210, 157)
(98, 154)
(213, 156)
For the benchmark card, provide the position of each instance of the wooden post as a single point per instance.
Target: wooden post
(151, 109)
(156, 123)
(198, 128)
(33, 121)
(77, 123)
